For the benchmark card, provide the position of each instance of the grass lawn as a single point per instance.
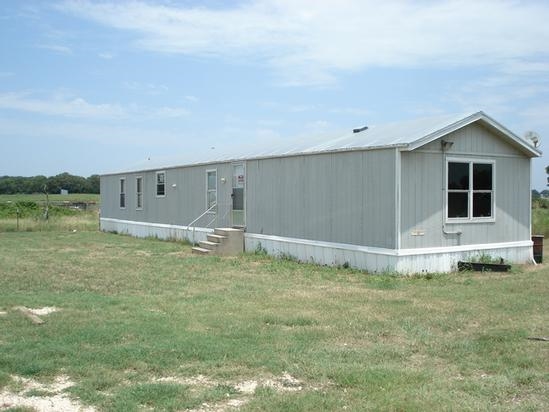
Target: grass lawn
(59, 220)
(143, 324)
(41, 197)
(540, 222)
(31, 210)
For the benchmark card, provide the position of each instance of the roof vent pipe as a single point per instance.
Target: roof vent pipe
(360, 129)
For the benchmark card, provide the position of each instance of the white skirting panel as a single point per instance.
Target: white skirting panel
(446, 261)
(379, 260)
(159, 230)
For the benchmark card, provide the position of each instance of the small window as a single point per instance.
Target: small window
(470, 194)
(160, 184)
(122, 193)
(139, 192)
(211, 188)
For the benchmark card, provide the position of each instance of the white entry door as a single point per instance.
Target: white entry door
(238, 195)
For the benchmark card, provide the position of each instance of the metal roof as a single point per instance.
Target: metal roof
(407, 135)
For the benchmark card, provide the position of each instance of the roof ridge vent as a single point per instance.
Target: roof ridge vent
(360, 129)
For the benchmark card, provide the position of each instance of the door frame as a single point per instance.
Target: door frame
(245, 188)
(208, 171)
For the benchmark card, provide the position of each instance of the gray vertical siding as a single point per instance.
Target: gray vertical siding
(475, 139)
(344, 197)
(422, 188)
(337, 197)
(182, 203)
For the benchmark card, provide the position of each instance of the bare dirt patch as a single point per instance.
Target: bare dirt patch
(230, 404)
(245, 389)
(46, 310)
(59, 384)
(32, 314)
(51, 398)
(143, 253)
(199, 380)
(283, 383)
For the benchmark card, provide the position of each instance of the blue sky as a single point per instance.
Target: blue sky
(94, 86)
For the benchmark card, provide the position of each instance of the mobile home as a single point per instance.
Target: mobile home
(416, 196)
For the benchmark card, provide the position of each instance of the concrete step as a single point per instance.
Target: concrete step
(226, 231)
(200, 250)
(225, 241)
(216, 238)
(206, 244)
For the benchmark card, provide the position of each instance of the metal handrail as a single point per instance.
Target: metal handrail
(216, 217)
(211, 221)
(200, 217)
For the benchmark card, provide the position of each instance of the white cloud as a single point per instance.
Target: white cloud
(269, 123)
(55, 48)
(148, 88)
(526, 68)
(354, 111)
(310, 43)
(318, 126)
(106, 56)
(84, 130)
(169, 112)
(28, 11)
(536, 116)
(266, 134)
(300, 108)
(77, 107)
(503, 93)
(59, 106)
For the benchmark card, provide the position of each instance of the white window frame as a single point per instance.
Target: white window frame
(165, 183)
(208, 171)
(138, 193)
(122, 192)
(471, 191)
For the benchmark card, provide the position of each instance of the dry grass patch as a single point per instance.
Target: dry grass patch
(41, 397)
(146, 325)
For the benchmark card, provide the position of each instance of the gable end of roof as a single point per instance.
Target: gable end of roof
(486, 120)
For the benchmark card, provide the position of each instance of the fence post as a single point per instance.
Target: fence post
(17, 214)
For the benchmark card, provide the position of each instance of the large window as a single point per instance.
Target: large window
(470, 189)
(122, 193)
(139, 192)
(211, 188)
(160, 184)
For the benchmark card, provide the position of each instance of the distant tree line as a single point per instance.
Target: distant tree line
(10, 185)
(536, 195)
